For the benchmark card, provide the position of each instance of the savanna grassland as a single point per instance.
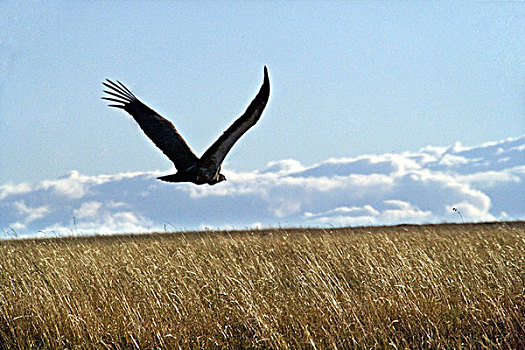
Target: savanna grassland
(433, 286)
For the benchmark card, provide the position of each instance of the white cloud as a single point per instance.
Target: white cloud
(106, 223)
(281, 167)
(450, 159)
(71, 186)
(87, 210)
(394, 212)
(17, 226)
(112, 204)
(9, 189)
(492, 178)
(472, 212)
(31, 214)
(483, 182)
(283, 207)
(519, 148)
(404, 211)
(355, 211)
(74, 185)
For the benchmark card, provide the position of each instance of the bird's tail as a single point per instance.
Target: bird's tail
(172, 178)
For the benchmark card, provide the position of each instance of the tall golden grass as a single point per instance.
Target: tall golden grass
(433, 286)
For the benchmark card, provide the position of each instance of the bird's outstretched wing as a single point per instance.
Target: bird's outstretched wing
(215, 154)
(160, 130)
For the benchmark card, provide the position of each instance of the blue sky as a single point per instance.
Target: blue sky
(348, 78)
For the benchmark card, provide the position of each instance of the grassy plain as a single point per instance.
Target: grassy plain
(434, 286)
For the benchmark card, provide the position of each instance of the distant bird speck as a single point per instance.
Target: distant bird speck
(203, 170)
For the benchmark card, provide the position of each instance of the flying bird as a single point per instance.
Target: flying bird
(190, 168)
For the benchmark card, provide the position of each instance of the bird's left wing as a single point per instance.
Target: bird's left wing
(160, 130)
(215, 154)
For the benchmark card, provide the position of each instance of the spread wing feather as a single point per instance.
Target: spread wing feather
(215, 154)
(160, 130)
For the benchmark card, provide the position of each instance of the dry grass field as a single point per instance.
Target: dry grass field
(433, 286)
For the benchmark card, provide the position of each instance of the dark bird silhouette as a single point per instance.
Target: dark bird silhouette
(190, 168)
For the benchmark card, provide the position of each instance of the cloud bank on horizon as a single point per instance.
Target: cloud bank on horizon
(484, 183)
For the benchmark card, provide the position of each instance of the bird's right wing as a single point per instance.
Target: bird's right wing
(215, 154)
(160, 130)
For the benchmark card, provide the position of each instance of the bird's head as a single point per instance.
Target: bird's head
(217, 179)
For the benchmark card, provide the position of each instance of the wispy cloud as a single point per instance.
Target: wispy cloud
(483, 182)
